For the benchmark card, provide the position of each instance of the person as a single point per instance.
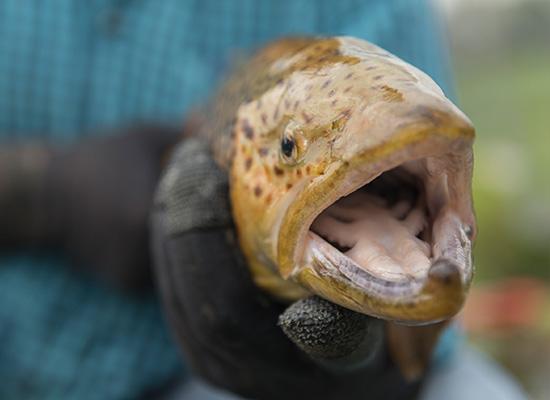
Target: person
(79, 316)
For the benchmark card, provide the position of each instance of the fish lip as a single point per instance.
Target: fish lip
(409, 301)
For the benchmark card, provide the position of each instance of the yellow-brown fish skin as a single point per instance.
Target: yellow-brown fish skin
(352, 111)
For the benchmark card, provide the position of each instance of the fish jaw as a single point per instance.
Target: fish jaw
(437, 142)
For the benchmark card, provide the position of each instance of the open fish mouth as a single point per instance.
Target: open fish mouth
(398, 244)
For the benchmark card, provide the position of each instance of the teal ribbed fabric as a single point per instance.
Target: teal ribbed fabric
(70, 67)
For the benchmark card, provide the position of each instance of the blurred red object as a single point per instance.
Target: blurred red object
(506, 307)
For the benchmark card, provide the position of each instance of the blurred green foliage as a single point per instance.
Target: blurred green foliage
(507, 95)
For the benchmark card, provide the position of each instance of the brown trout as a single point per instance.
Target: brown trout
(350, 178)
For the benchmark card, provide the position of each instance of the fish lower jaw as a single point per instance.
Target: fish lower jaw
(397, 248)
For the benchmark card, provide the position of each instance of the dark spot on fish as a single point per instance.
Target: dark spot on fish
(279, 81)
(287, 104)
(269, 198)
(308, 169)
(257, 191)
(326, 83)
(333, 102)
(348, 89)
(307, 118)
(377, 77)
(258, 104)
(263, 151)
(299, 173)
(308, 97)
(309, 86)
(331, 93)
(296, 104)
(247, 129)
(289, 186)
(346, 113)
(392, 94)
(309, 58)
(370, 68)
(278, 171)
(243, 148)
(264, 118)
(276, 113)
(348, 75)
(248, 164)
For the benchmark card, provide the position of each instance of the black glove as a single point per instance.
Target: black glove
(229, 329)
(91, 200)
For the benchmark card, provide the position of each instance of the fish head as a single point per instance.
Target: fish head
(351, 179)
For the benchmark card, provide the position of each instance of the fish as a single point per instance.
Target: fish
(350, 178)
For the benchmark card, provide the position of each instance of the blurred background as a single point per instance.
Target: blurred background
(501, 54)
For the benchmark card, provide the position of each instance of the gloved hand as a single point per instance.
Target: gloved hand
(91, 199)
(229, 330)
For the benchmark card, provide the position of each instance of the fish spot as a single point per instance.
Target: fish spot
(296, 104)
(276, 113)
(287, 104)
(258, 104)
(307, 118)
(346, 113)
(263, 151)
(331, 93)
(370, 68)
(308, 169)
(333, 102)
(247, 129)
(308, 97)
(264, 118)
(258, 190)
(299, 173)
(391, 94)
(248, 164)
(269, 198)
(348, 89)
(278, 171)
(348, 76)
(326, 83)
(288, 186)
(378, 77)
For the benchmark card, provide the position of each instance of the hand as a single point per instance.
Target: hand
(228, 328)
(92, 200)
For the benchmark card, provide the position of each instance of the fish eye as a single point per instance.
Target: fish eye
(287, 146)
